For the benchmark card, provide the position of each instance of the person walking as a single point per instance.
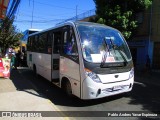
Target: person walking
(148, 64)
(22, 59)
(17, 61)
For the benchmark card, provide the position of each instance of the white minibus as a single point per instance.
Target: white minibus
(85, 59)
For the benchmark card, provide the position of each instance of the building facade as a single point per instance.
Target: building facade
(147, 40)
(155, 33)
(3, 8)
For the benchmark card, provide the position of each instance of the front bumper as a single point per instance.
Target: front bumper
(99, 90)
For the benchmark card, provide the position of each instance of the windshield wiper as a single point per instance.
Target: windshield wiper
(120, 52)
(112, 44)
(125, 61)
(105, 53)
(108, 49)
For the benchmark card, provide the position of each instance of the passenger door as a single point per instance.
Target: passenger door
(56, 45)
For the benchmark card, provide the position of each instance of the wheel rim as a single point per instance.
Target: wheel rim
(68, 89)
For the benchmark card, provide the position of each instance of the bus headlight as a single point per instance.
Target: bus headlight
(131, 73)
(93, 76)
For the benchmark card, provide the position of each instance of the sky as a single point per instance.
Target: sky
(43, 14)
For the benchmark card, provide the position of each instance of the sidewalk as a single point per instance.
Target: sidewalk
(12, 98)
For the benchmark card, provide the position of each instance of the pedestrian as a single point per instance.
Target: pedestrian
(18, 59)
(13, 62)
(22, 59)
(148, 64)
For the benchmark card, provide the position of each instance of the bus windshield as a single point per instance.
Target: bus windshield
(102, 44)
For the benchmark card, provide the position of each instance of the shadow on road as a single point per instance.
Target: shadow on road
(145, 95)
(23, 83)
(25, 80)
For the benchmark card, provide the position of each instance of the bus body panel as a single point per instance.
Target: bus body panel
(92, 90)
(75, 85)
(29, 60)
(70, 70)
(42, 63)
(110, 78)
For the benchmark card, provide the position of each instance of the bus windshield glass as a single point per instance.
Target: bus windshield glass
(102, 44)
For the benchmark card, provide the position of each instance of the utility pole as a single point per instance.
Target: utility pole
(32, 14)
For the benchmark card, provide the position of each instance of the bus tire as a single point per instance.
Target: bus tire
(67, 87)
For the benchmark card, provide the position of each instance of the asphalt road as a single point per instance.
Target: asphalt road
(144, 97)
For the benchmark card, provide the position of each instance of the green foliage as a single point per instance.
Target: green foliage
(9, 36)
(120, 14)
(101, 21)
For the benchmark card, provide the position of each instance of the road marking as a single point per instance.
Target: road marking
(140, 83)
(57, 109)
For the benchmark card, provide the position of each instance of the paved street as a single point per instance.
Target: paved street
(144, 96)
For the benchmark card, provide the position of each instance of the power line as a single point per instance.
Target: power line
(39, 21)
(13, 8)
(80, 16)
(42, 20)
(33, 12)
(26, 14)
(57, 6)
(18, 8)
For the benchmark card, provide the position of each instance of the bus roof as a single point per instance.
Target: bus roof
(73, 23)
(31, 30)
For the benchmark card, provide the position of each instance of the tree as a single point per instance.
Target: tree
(120, 14)
(9, 35)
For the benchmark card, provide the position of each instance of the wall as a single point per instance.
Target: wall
(139, 50)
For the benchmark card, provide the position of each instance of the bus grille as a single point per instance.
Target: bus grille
(116, 88)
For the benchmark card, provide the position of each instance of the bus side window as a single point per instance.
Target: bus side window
(28, 44)
(70, 47)
(36, 42)
(74, 46)
(41, 42)
(65, 43)
(56, 42)
(31, 43)
(49, 43)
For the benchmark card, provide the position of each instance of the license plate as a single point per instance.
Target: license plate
(117, 87)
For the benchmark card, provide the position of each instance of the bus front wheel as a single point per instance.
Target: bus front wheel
(67, 87)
